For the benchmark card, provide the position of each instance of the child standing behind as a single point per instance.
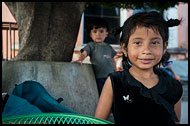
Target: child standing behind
(101, 54)
(142, 93)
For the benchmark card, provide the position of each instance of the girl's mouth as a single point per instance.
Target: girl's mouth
(146, 61)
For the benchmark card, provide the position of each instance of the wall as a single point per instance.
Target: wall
(6, 47)
(183, 29)
(6, 14)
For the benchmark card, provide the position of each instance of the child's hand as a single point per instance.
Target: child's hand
(81, 58)
(177, 78)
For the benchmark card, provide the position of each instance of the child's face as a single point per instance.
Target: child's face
(98, 35)
(145, 48)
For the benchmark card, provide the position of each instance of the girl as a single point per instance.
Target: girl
(142, 92)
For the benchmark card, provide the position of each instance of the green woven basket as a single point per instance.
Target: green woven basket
(54, 118)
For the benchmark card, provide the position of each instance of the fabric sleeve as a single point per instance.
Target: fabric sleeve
(179, 91)
(88, 48)
(176, 90)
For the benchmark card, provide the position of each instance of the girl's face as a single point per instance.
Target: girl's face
(98, 35)
(145, 48)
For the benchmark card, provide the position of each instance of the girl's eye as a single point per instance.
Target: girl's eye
(138, 43)
(155, 42)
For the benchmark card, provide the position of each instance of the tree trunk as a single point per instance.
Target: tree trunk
(47, 30)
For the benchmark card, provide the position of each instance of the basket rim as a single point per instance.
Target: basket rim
(54, 114)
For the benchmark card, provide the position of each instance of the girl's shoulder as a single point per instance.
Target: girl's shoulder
(174, 88)
(119, 75)
(171, 83)
(122, 80)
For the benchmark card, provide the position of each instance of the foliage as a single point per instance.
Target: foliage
(161, 5)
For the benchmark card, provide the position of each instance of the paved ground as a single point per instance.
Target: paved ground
(180, 67)
(184, 105)
(184, 112)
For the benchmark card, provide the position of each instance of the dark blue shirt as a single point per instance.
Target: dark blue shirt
(133, 102)
(101, 55)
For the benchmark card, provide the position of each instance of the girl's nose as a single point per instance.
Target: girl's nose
(147, 49)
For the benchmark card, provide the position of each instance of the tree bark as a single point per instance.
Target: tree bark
(47, 30)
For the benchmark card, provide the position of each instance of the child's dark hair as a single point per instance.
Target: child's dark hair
(166, 56)
(153, 20)
(165, 59)
(97, 23)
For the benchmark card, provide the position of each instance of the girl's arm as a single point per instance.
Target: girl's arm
(177, 109)
(81, 57)
(105, 102)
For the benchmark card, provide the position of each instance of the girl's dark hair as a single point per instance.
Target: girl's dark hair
(97, 23)
(153, 20)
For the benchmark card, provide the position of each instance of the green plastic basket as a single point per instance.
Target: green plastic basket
(54, 118)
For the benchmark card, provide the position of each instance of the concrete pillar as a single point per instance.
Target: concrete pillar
(75, 83)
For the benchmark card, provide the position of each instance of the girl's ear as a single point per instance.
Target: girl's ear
(124, 49)
(165, 47)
